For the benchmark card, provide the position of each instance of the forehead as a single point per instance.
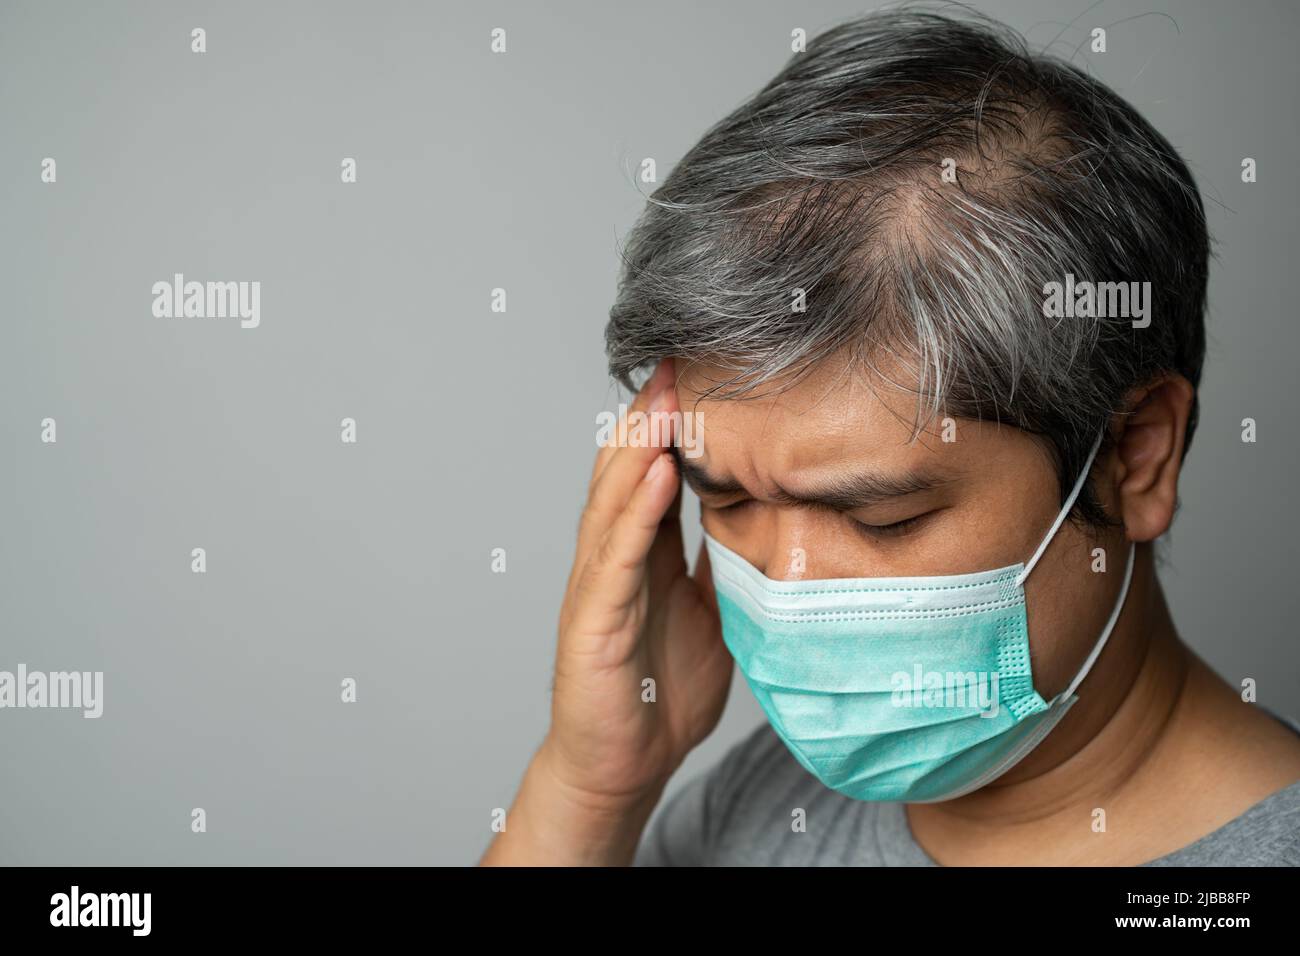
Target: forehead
(834, 412)
(840, 421)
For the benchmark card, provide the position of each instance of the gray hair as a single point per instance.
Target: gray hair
(828, 180)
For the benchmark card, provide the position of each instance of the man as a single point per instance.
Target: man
(939, 304)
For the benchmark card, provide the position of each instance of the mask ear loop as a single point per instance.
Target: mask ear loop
(1065, 511)
(1123, 590)
(1110, 625)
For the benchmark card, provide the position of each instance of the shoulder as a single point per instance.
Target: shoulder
(1268, 834)
(1251, 792)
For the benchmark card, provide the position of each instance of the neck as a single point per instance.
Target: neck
(1099, 755)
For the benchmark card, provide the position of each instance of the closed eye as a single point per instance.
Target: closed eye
(895, 529)
(736, 505)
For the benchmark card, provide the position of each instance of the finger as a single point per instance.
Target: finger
(621, 477)
(667, 559)
(615, 575)
(608, 496)
(602, 509)
(650, 389)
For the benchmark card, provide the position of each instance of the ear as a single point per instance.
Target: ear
(1149, 454)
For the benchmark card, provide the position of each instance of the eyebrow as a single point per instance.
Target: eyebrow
(842, 493)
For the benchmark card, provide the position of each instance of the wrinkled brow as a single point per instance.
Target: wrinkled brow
(842, 493)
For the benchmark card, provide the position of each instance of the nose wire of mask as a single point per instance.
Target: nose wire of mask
(824, 658)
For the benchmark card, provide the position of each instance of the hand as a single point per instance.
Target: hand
(631, 612)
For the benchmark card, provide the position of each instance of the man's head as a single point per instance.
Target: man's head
(815, 227)
(882, 391)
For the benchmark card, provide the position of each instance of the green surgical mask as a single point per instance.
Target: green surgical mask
(912, 689)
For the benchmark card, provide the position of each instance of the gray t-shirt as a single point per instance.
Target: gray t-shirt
(738, 813)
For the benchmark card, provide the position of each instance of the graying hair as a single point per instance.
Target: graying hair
(828, 180)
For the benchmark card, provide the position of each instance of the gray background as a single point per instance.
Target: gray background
(476, 430)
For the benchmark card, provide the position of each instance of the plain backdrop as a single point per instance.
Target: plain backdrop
(476, 430)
